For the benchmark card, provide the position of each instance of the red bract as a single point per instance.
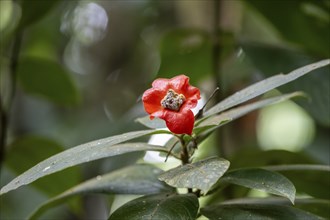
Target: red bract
(171, 100)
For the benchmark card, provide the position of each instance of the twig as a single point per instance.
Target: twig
(201, 111)
(170, 151)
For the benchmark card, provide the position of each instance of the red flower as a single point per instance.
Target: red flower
(171, 100)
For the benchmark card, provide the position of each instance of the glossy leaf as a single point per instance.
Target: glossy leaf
(263, 86)
(256, 211)
(139, 179)
(201, 175)
(264, 180)
(207, 125)
(184, 206)
(33, 11)
(39, 148)
(271, 60)
(84, 153)
(245, 109)
(47, 79)
(306, 176)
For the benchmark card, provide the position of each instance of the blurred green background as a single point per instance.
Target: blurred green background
(83, 66)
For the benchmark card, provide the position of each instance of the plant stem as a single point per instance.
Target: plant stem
(170, 152)
(184, 155)
(216, 49)
(185, 158)
(201, 111)
(216, 58)
(5, 111)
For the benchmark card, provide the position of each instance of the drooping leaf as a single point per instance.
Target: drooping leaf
(256, 211)
(138, 179)
(47, 79)
(87, 152)
(318, 207)
(304, 179)
(39, 148)
(201, 175)
(270, 60)
(245, 109)
(264, 180)
(34, 10)
(306, 176)
(263, 86)
(161, 206)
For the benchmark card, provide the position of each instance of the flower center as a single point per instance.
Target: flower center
(173, 100)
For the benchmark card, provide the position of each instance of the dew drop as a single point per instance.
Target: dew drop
(46, 168)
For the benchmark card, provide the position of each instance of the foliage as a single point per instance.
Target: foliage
(198, 177)
(208, 183)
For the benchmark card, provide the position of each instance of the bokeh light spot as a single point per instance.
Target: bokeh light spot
(284, 126)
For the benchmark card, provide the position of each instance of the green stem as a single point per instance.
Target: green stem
(216, 57)
(184, 155)
(185, 158)
(170, 152)
(5, 111)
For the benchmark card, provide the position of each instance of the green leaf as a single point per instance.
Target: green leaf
(137, 179)
(47, 79)
(235, 113)
(266, 158)
(38, 149)
(159, 207)
(208, 124)
(263, 86)
(256, 211)
(270, 59)
(186, 51)
(82, 154)
(34, 10)
(263, 180)
(201, 175)
(306, 176)
(302, 23)
(315, 206)
(154, 123)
